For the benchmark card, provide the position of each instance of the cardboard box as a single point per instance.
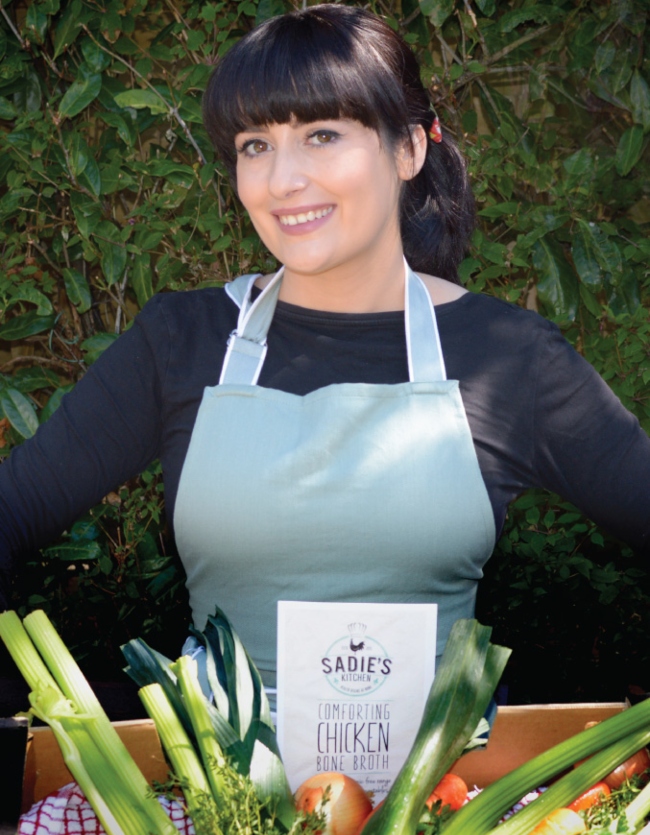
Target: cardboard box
(519, 733)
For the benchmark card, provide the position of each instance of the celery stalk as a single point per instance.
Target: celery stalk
(50, 706)
(637, 811)
(573, 784)
(481, 815)
(98, 757)
(186, 670)
(103, 787)
(74, 685)
(23, 652)
(60, 661)
(469, 672)
(179, 749)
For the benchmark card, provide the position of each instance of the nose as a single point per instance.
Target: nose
(288, 173)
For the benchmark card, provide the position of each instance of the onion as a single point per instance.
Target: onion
(561, 822)
(636, 764)
(347, 805)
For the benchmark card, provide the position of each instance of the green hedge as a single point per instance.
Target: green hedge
(110, 193)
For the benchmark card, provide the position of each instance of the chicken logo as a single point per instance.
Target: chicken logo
(356, 664)
(357, 631)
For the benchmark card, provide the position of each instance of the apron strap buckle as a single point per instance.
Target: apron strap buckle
(243, 357)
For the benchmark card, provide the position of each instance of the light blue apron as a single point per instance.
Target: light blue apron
(353, 492)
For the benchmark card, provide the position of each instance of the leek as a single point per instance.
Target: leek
(480, 815)
(468, 675)
(92, 749)
(235, 679)
(240, 716)
(146, 666)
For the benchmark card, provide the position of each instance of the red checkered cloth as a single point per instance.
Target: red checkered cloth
(67, 812)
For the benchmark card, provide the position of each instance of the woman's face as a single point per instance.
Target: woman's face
(322, 195)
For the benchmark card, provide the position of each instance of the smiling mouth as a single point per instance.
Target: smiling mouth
(304, 217)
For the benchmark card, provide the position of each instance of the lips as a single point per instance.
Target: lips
(304, 217)
(303, 220)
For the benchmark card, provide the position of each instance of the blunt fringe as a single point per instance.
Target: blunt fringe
(333, 62)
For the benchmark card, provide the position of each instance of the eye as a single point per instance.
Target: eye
(253, 147)
(323, 137)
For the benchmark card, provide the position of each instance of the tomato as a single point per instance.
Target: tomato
(347, 806)
(589, 798)
(561, 822)
(451, 790)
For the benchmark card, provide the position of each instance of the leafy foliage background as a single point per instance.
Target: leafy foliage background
(110, 193)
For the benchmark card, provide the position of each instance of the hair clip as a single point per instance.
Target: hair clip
(435, 133)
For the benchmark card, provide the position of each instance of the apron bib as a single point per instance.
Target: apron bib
(353, 492)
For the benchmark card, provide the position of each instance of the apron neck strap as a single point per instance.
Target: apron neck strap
(425, 359)
(247, 343)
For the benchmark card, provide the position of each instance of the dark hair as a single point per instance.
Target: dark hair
(332, 62)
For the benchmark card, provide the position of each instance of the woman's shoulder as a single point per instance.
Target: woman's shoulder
(494, 318)
(491, 341)
(177, 309)
(179, 327)
(178, 302)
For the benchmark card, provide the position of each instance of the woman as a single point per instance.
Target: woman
(315, 440)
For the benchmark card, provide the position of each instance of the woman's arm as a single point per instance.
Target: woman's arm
(105, 431)
(588, 447)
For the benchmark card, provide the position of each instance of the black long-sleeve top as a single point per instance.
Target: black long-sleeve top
(539, 414)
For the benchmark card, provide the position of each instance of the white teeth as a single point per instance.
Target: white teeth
(304, 217)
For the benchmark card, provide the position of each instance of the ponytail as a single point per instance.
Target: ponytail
(437, 211)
